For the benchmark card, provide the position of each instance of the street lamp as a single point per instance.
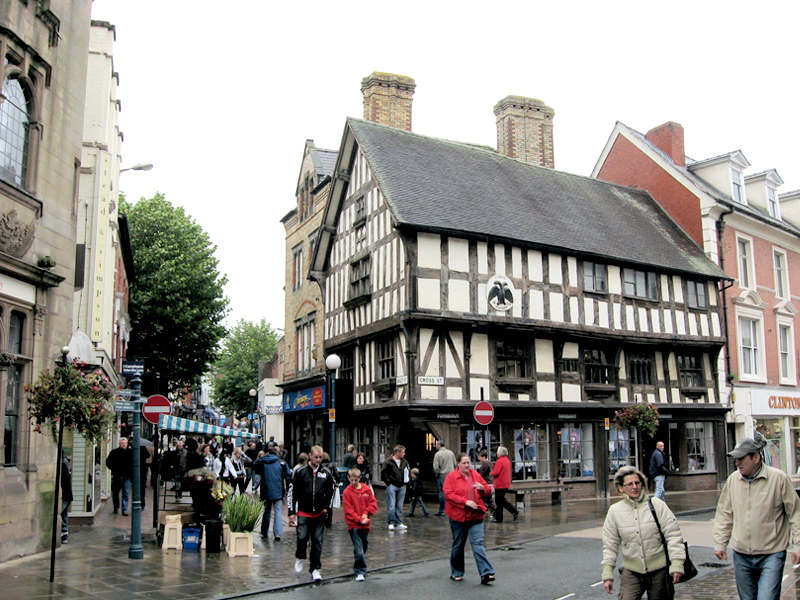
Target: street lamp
(59, 459)
(139, 167)
(253, 393)
(333, 362)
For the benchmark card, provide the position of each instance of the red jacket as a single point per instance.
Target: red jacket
(502, 473)
(457, 492)
(356, 503)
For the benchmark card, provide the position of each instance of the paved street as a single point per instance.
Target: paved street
(552, 552)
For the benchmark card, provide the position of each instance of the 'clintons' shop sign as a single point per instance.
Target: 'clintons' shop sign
(773, 401)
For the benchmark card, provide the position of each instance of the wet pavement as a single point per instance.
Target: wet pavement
(95, 563)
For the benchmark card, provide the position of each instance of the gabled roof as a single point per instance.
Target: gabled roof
(443, 186)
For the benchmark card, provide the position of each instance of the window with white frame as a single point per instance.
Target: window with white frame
(621, 448)
(297, 260)
(700, 446)
(786, 353)
(696, 294)
(305, 342)
(594, 277)
(750, 346)
(744, 248)
(737, 187)
(781, 281)
(773, 206)
(641, 284)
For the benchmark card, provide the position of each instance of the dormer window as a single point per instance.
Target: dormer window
(737, 186)
(773, 206)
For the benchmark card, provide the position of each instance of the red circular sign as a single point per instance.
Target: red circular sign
(483, 412)
(154, 407)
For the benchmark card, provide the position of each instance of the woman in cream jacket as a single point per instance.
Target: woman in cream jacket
(630, 527)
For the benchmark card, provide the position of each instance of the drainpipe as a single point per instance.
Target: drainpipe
(721, 253)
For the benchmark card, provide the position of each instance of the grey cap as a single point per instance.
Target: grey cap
(744, 447)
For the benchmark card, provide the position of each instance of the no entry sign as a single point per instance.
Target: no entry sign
(483, 412)
(156, 406)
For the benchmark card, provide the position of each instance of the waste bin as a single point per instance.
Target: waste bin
(213, 535)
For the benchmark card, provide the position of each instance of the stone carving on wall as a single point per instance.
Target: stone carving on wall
(15, 237)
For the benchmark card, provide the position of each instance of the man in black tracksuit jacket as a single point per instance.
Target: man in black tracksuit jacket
(309, 500)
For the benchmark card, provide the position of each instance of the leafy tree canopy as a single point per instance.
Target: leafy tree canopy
(236, 370)
(177, 303)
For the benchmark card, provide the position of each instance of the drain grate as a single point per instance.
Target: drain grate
(510, 548)
(714, 565)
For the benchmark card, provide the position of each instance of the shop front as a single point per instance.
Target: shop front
(776, 416)
(305, 414)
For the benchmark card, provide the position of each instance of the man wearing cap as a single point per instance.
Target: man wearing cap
(758, 511)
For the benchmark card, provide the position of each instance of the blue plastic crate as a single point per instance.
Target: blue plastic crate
(191, 539)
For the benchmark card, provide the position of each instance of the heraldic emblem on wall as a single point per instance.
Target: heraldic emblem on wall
(501, 292)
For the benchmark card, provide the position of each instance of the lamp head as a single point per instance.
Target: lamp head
(333, 362)
(253, 393)
(64, 351)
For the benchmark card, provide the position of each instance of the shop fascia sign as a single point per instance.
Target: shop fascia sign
(777, 401)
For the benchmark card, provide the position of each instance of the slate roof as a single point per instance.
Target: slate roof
(438, 185)
(327, 159)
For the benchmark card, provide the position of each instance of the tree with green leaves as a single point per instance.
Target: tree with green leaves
(236, 371)
(177, 304)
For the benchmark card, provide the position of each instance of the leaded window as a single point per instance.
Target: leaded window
(512, 360)
(14, 129)
(641, 284)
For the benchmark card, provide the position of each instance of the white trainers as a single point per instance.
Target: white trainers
(298, 565)
(359, 577)
(316, 575)
(401, 526)
(391, 527)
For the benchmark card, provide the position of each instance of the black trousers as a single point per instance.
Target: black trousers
(500, 499)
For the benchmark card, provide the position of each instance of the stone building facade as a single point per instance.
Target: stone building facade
(45, 47)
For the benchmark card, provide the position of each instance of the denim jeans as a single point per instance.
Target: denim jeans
(313, 527)
(414, 502)
(659, 481)
(395, 496)
(65, 517)
(461, 531)
(360, 539)
(758, 576)
(119, 484)
(440, 482)
(270, 507)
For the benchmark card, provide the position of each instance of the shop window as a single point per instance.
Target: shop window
(594, 277)
(700, 446)
(475, 440)
(772, 431)
(621, 448)
(795, 440)
(512, 360)
(640, 369)
(696, 294)
(641, 284)
(690, 371)
(576, 450)
(531, 453)
(14, 131)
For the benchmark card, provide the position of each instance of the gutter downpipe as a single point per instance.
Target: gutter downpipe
(721, 253)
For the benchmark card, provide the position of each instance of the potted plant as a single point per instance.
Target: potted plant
(641, 416)
(241, 514)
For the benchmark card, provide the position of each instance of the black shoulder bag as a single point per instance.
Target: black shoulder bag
(689, 570)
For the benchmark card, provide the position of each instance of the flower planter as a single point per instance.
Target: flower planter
(226, 534)
(240, 544)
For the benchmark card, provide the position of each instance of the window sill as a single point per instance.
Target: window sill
(694, 392)
(514, 385)
(357, 301)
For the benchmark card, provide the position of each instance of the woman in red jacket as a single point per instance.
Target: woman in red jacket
(502, 481)
(464, 490)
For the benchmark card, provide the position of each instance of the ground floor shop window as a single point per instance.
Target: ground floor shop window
(772, 430)
(699, 446)
(621, 448)
(576, 450)
(531, 453)
(382, 449)
(475, 440)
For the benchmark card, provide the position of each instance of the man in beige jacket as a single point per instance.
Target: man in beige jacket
(757, 511)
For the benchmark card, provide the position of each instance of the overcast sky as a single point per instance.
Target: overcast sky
(221, 97)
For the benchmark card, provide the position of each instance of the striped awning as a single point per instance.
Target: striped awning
(189, 426)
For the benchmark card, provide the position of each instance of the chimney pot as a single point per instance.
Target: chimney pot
(387, 99)
(525, 130)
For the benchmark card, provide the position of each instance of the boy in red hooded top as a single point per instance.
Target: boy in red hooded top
(359, 505)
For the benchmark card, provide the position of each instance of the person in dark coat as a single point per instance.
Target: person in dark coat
(274, 474)
(120, 463)
(66, 497)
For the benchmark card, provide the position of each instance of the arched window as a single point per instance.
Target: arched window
(14, 389)
(14, 125)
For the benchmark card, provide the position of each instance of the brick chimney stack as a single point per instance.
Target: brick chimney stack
(669, 139)
(525, 130)
(387, 99)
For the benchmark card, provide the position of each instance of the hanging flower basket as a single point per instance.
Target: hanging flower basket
(83, 400)
(643, 417)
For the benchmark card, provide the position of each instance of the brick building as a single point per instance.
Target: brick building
(750, 229)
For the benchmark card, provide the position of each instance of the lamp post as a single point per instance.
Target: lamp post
(59, 459)
(333, 362)
(253, 394)
(139, 167)
(136, 550)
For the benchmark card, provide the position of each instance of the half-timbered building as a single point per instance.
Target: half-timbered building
(452, 274)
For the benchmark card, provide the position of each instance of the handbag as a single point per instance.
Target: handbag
(689, 570)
